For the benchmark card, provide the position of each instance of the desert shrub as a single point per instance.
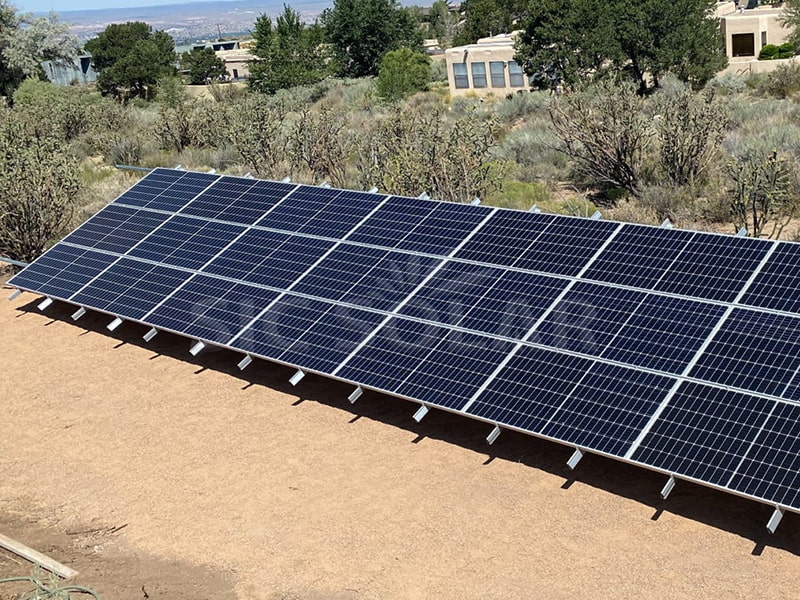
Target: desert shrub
(730, 83)
(782, 82)
(690, 128)
(409, 152)
(520, 105)
(403, 72)
(438, 71)
(38, 186)
(520, 195)
(764, 193)
(318, 141)
(605, 132)
(53, 110)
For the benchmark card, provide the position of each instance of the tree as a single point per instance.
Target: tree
(203, 65)
(567, 41)
(483, 18)
(26, 41)
(442, 22)
(131, 56)
(288, 54)
(791, 20)
(403, 72)
(362, 31)
(38, 186)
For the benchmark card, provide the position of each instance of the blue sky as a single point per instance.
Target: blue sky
(65, 5)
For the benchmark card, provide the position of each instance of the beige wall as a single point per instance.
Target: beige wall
(236, 62)
(763, 24)
(486, 51)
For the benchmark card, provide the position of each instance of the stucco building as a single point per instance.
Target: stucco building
(487, 67)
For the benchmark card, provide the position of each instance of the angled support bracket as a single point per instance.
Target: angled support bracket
(424, 196)
(596, 216)
(286, 180)
(475, 201)
(325, 184)
(248, 175)
(243, 364)
(775, 520)
(45, 303)
(78, 313)
(212, 171)
(535, 209)
(150, 334)
(357, 393)
(372, 190)
(666, 224)
(197, 348)
(114, 324)
(575, 458)
(421, 412)
(742, 232)
(668, 487)
(297, 377)
(15, 294)
(492, 437)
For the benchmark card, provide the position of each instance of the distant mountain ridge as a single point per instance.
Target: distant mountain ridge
(189, 20)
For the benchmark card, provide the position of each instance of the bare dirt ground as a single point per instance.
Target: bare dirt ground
(232, 482)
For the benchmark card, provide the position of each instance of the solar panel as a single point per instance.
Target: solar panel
(670, 349)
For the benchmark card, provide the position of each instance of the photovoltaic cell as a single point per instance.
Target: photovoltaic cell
(116, 228)
(210, 308)
(771, 468)
(778, 281)
(148, 188)
(608, 409)
(277, 329)
(443, 229)
(62, 271)
(451, 292)
(512, 305)
(130, 288)
(370, 277)
(638, 256)
(530, 388)
(393, 354)
(588, 318)
(714, 266)
(334, 335)
(703, 432)
(455, 369)
(237, 200)
(753, 351)
(268, 258)
(321, 211)
(174, 196)
(565, 246)
(664, 333)
(504, 237)
(186, 242)
(390, 224)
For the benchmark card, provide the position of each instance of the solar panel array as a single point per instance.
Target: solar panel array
(671, 349)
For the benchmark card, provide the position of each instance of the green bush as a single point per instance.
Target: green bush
(782, 82)
(403, 72)
(773, 52)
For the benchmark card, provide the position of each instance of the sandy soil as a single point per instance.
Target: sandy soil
(292, 493)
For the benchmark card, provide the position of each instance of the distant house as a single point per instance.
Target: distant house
(747, 31)
(79, 72)
(486, 67)
(235, 54)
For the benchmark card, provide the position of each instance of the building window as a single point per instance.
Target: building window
(460, 75)
(763, 38)
(236, 73)
(478, 75)
(743, 44)
(497, 69)
(515, 75)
